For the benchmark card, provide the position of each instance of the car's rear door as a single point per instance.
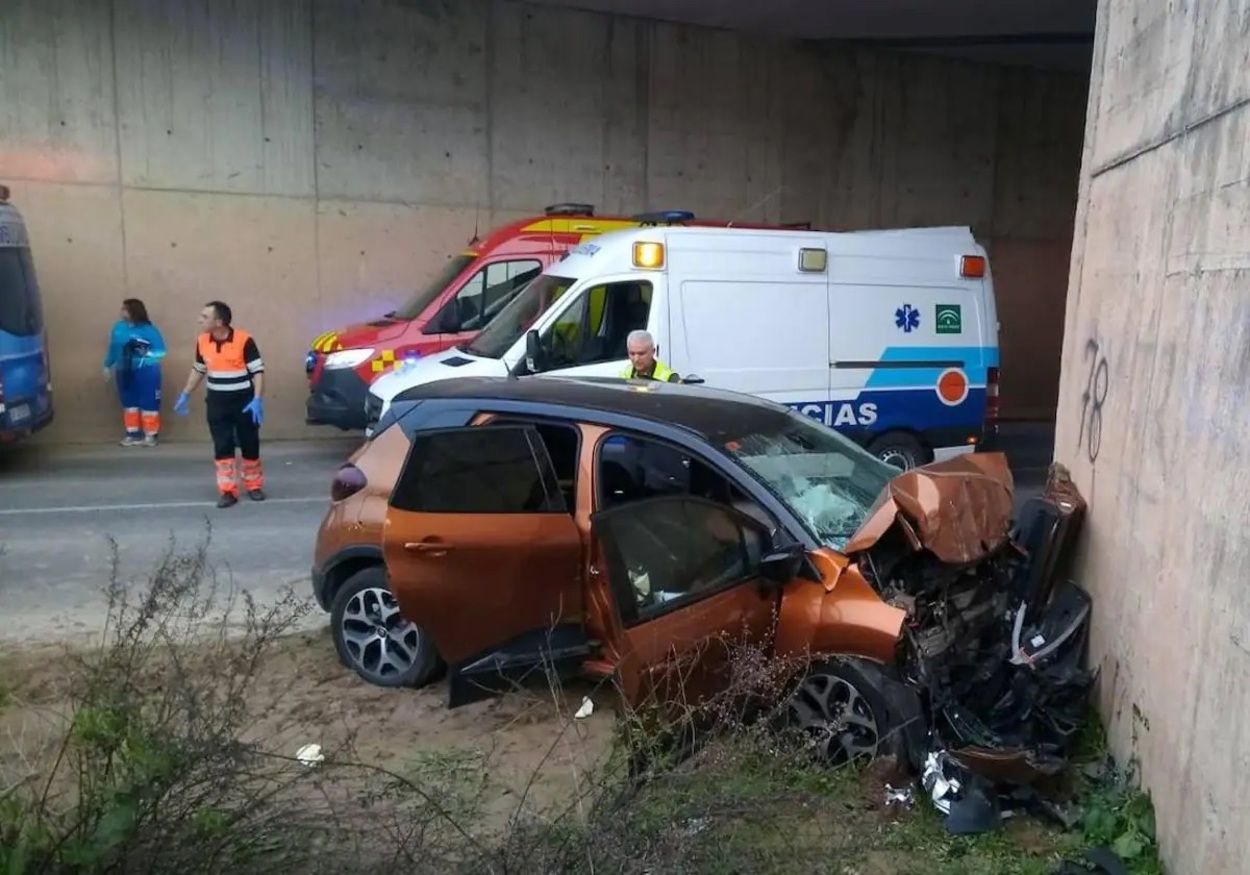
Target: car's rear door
(482, 551)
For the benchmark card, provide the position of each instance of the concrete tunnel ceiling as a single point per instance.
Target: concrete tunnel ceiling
(1055, 34)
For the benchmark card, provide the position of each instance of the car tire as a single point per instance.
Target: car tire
(841, 706)
(900, 449)
(374, 640)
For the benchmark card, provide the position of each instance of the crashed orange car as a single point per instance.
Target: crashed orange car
(641, 531)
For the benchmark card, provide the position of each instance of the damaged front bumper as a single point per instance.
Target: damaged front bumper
(993, 644)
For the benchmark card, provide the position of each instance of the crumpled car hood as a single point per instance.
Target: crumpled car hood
(959, 510)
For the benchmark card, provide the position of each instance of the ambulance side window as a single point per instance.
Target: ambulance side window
(484, 295)
(596, 326)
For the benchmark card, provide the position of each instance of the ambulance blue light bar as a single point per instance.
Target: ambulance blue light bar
(664, 217)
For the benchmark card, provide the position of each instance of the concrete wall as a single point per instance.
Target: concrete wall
(309, 160)
(1154, 413)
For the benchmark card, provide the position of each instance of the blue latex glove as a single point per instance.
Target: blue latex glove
(181, 407)
(257, 408)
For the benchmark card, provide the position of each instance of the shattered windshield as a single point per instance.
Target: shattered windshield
(828, 481)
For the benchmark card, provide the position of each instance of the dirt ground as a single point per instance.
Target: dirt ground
(304, 695)
(728, 810)
(744, 805)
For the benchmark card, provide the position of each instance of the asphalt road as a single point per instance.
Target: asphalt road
(61, 510)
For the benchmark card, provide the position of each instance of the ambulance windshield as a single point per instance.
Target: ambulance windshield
(416, 305)
(829, 482)
(517, 318)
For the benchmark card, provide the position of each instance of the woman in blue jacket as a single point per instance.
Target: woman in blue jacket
(135, 352)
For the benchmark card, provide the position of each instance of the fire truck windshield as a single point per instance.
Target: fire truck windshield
(516, 318)
(420, 300)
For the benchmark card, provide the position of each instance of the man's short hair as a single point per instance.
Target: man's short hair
(641, 336)
(222, 311)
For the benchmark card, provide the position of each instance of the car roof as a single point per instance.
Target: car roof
(709, 413)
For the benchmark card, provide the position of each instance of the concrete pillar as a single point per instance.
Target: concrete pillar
(1154, 411)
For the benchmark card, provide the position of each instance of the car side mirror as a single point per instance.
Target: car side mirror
(533, 352)
(693, 380)
(783, 564)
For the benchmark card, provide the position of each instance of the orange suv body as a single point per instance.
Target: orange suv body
(646, 532)
(617, 528)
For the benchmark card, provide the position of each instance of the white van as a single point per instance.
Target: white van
(891, 337)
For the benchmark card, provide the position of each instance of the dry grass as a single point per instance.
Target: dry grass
(170, 748)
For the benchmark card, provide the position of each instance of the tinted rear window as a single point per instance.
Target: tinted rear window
(477, 470)
(20, 312)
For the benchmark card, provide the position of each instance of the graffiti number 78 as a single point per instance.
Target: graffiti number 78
(1092, 400)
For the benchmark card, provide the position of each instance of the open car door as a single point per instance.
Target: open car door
(695, 585)
(483, 553)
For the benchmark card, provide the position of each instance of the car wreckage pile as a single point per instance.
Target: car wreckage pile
(991, 687)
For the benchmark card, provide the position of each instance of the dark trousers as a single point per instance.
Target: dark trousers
(231, 427)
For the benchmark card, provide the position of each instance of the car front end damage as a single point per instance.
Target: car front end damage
(989, 659)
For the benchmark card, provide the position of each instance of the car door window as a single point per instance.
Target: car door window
(484, 295)
(563, 443)
(633, 468)
(596, 326)
(503, 470)
(668, 552)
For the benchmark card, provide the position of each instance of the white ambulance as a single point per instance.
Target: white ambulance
(890, 337)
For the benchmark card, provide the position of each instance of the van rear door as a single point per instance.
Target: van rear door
(744, 316)
(908, 336)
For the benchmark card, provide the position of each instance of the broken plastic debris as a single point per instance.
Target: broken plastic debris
(310, 755)
(975, 811)
(1064, 617)
(588, 708)
(942, 790)
(899, 796)
(696, 825)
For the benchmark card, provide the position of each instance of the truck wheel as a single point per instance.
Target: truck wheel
(374, 639)
(900, 449)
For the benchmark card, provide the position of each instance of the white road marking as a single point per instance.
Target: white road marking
(170, 505)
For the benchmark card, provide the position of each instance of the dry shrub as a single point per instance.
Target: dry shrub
(157, 768)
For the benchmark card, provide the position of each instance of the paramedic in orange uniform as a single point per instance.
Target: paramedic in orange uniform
(230, 361)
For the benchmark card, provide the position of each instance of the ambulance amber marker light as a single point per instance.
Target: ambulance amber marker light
(649, 255)
(972, 267)
(813, 260)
